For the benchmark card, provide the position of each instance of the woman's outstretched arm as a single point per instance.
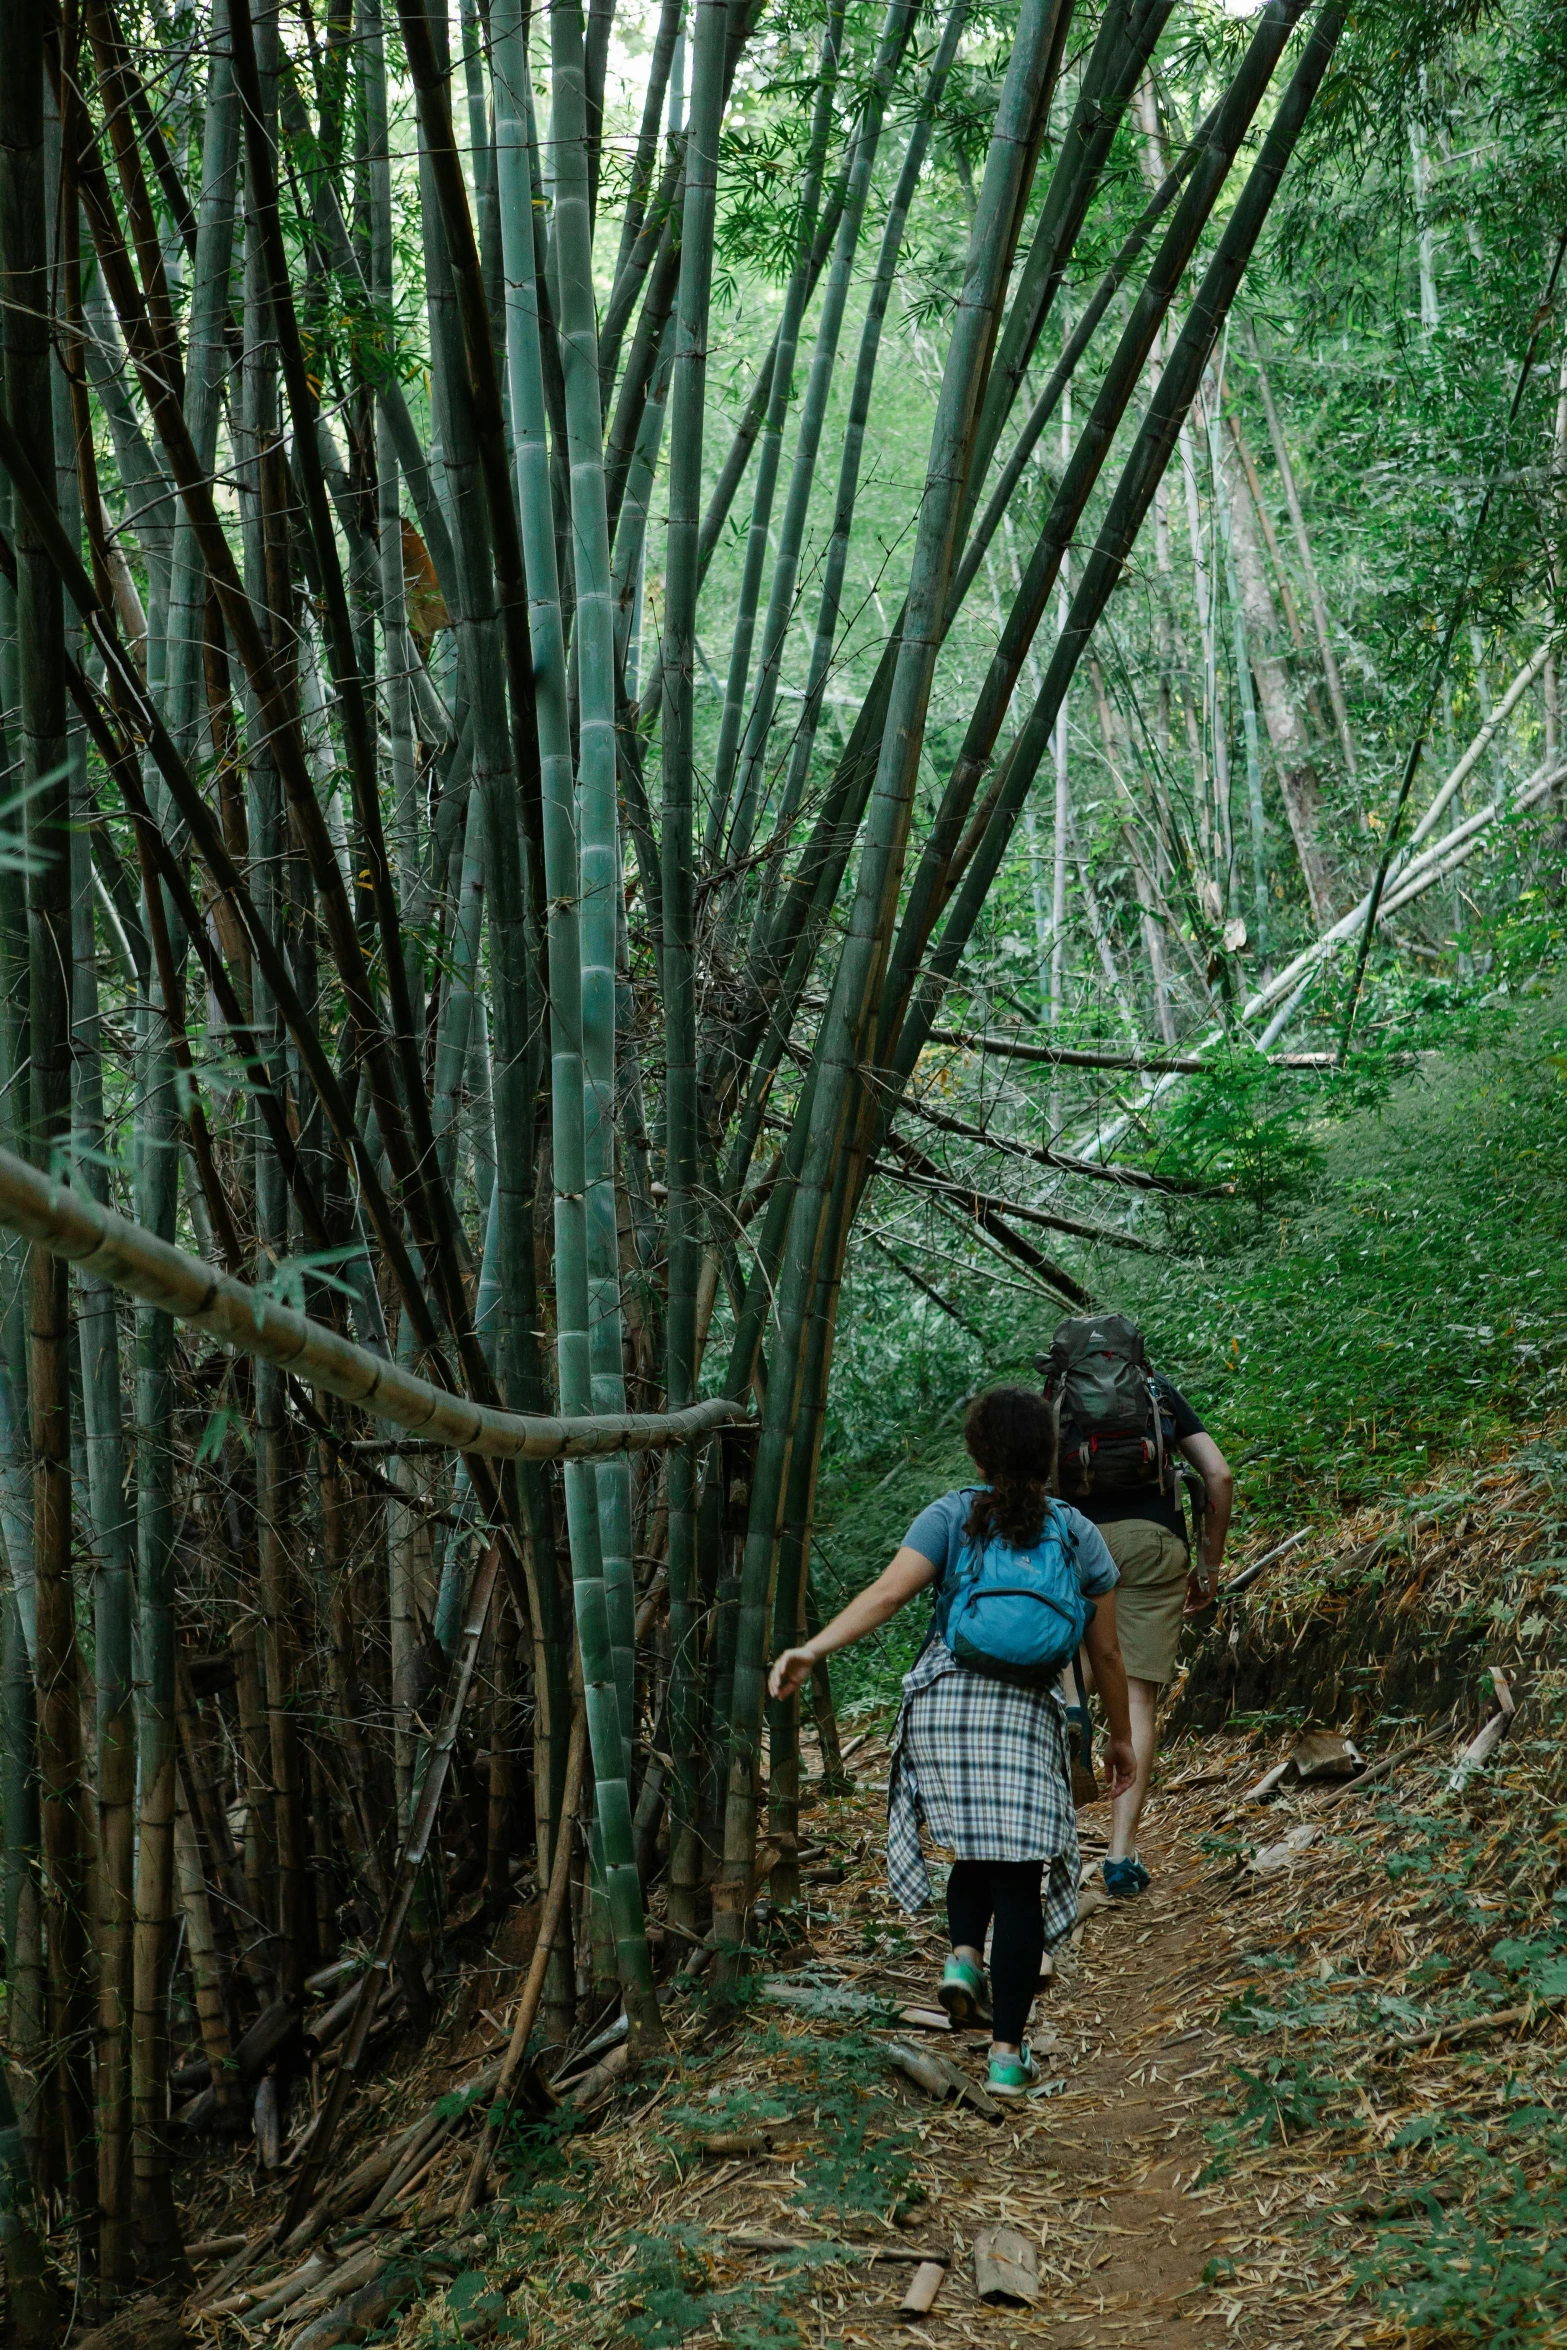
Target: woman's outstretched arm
(894, 1587)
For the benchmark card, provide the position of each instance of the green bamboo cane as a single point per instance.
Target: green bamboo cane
(1178, 383)
(1115, 394)
(113, 1600)
(595, 67)
(397, 654)
(156, 1191)
(1024, 92)
(1128, 32)
(336, 251)
(605, 1600)
(20, 1886)
(16, 1468)
(506, 757)
(149, 495)
(1246, 691)
(676, 845)
(896, 30)
(454, 1027)
(206, 371)
(525, 355)
(779, 395)
(671, 15)
(754, 414)
(853, 447)
(24, 247)
(642, 364)
(636, 506)
(788, 1618)
(631, 273)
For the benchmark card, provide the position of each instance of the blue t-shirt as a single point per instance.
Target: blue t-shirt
(937, 1534)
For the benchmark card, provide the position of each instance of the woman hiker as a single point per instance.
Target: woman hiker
(981, 1751)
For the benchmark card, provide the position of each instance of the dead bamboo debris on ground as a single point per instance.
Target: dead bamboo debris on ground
(730, 2196)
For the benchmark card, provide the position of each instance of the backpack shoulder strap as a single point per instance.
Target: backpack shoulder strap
(966, 1546)
(1055, 1514)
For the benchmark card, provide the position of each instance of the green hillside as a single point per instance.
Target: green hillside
(1407, 1305)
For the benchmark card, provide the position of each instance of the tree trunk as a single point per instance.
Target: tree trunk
(1281, 714)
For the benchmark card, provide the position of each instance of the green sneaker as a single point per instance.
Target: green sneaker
(1015, 2076)
(964, 1992)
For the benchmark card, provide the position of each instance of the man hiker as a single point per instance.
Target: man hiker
(1120, 1425)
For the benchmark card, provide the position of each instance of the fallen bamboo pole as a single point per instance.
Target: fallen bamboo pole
(71, 1225)
(978, 1201)
(1061, 1056)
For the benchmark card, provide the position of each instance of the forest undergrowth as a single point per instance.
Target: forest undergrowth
(1396, 1308)
(1306, 2094)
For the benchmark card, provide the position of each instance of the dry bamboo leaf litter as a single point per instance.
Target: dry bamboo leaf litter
(1217, 1981)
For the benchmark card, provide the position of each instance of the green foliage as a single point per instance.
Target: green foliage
(1277, 2101)
(1415, 1304)
(1493, 2272)
(670, 2289)
(1242, 1122)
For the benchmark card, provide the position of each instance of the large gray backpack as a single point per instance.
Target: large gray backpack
(1115, 1432)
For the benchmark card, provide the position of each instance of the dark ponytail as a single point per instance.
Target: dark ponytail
(1011, 1433)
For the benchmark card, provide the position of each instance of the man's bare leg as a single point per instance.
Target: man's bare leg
(1127, 1809)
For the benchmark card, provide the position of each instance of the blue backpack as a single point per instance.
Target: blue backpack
(1016, 1615)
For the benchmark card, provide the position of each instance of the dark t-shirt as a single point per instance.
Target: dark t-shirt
(1146, 1501)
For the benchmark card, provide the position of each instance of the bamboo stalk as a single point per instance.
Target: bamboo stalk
(68, 1226)
(550, 1915)
(780, 392)
(601, 1570)
(40, 617)
(896, 31)
(1008, 164)
(677, 940)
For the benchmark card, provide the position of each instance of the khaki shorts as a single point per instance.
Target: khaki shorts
(1150, 1595)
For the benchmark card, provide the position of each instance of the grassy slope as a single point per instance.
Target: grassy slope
(1412, 1307)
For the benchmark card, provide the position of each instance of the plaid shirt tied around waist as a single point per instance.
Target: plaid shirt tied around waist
(987, 1766)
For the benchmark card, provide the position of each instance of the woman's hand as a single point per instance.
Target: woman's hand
(909, 1572)
(790, 1672)
(1120, 1766)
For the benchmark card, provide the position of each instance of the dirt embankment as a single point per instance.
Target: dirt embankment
(1393, 1611)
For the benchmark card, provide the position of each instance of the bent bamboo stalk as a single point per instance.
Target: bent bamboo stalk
(71, 1225)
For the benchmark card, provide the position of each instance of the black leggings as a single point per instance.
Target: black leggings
(1009, 1892)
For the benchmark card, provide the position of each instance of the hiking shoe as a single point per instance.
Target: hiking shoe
(1125, 1879)
(1015, 2076)
(964, 1992)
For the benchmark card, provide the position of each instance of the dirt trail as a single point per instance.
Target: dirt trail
(1097, 2172)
